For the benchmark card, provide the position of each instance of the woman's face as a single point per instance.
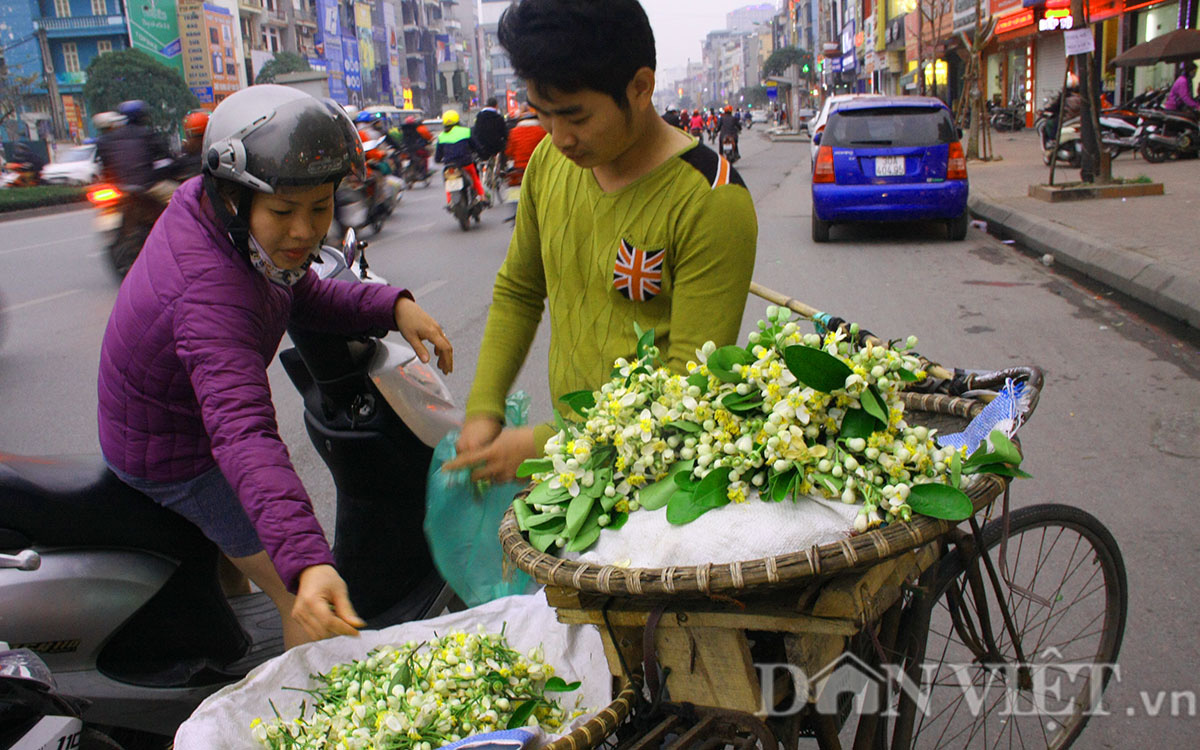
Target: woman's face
(290, 223)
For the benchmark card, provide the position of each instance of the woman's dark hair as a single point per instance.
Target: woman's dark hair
(572, 45)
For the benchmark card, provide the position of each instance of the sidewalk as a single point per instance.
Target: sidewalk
(1145, 247)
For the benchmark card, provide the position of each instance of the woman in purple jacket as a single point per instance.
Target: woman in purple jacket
(185, 406)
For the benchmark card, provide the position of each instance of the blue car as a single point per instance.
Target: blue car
(890, 159)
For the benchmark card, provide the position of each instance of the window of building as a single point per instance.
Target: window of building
(99, 8)
(103, 46)
(270, 39)
(269, 5)
(62, 8)
(70, 57)
(214, 36)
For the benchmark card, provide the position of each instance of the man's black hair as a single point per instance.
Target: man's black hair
(491, 102)
(572, 45)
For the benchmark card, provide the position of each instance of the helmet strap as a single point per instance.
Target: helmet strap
(237, 225)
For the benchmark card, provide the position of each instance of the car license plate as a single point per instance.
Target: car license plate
(454, 184)
(889, 166)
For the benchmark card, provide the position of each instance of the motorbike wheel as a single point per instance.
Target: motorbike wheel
(377, 223)
(124, 251)
(1155, 153)
(463, 214)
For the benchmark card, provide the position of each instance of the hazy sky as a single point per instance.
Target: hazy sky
(681, 25)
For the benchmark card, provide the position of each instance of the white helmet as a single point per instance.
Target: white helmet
(108, 120)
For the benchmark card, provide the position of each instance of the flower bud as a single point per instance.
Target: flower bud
(858, 445)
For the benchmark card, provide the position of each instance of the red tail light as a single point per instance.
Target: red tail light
(101, 194)
(823, 170)
(956, 169)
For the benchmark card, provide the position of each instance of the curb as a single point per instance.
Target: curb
(1156, 284)
(57, 208)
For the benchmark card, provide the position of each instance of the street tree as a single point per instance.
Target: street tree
(13, 90)
(755, 96)
(283, 62)
(938, 17)
(132, 74)
(784, 58)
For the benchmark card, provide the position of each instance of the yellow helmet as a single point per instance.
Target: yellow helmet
(450, 118)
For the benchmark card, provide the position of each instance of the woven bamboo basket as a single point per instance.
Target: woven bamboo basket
(946, 413)
(600, 726)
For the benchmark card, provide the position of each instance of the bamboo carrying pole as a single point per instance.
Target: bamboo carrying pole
(812, 313)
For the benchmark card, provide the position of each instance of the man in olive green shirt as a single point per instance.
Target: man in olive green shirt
(622, 219)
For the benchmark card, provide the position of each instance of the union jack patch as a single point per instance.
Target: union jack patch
(637, 273)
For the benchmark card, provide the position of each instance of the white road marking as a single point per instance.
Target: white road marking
(44, 244)
(40, 300)
(422, 227)
(428, 288)
(97, 254)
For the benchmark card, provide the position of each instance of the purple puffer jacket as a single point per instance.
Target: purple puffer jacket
(183, 371)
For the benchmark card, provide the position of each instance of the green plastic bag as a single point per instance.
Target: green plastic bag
(462, 522)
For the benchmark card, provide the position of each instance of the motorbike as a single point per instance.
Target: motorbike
(1068, 147)
(1169, 134)
(463, 203)
(359, 204)
(120, 596)
(34, 715)
(414, 167)
(729, 148)
(1008, 119)
(124, 219)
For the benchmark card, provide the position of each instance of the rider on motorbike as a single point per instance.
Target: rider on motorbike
(185, 410)
(412, 138)
(1179, 98)
(729, 127)
(188, 164)
(139, 161)
(456, 148)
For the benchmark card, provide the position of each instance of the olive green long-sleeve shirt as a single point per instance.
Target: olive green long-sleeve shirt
(673, 251)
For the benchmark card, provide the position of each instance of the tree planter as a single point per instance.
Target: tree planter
(1076, 191)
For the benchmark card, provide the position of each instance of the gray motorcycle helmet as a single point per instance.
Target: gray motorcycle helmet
(267, 135)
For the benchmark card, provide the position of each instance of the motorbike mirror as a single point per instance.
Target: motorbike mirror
(350, 247)
(817, 139)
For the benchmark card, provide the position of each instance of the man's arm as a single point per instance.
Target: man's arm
(712, 274)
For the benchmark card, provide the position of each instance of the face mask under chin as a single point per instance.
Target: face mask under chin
(276, 275)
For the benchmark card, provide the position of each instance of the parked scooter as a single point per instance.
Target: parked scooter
(34, 715)
(1169, 135)
(1008, 119)
(1068, 146)
(121, 597)
(464, 204)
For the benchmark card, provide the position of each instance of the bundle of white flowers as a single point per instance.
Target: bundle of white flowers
(419, 696)
(788, 415)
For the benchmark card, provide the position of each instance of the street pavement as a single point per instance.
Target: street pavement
(1117, 430)
(1144, 247)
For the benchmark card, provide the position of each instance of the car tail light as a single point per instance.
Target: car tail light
(956, 169)
(823, 171)
(101, 194)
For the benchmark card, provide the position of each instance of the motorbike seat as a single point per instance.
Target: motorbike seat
(77, 501)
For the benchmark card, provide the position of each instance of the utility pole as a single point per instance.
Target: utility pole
(57, 116)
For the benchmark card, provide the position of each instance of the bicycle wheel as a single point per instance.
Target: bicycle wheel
(1066, 592)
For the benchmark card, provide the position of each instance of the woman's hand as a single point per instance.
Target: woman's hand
(323, 606)
(490, 451)
(417, 327)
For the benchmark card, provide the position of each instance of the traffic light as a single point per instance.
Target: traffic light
(805, 68)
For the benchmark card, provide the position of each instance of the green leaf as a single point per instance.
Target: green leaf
(522, 512)
(1004, 448)
(684, 481)
(873, 404)
(857, 423)
(658, 494)
(721, 362)
(955, 469)
(684, 426)
(781, 484)
(685, 507)
(737, 402)
(521, 715)
(561, 425)
(645, 341)
(402, 677)
(1002, 470)
(577, 513)
(830, 482)
(816, 368)
(548, 522)
(579, 401)
(541, 540)
(559, 685)
(940, 501)
(539, 495)
(699, 380)
(618, 520)
(531, 466)
(907, 375)
(586, 538)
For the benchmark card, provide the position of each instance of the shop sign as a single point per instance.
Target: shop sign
(895, 30)
(1058, 19)
(848, 36)
(849, 61)
(1014, 21)
(964, 15)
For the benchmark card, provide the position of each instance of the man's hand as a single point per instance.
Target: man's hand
(495, 458)
(322, 606)
(417, 327)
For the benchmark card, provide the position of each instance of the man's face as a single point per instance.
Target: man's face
(586, 126)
